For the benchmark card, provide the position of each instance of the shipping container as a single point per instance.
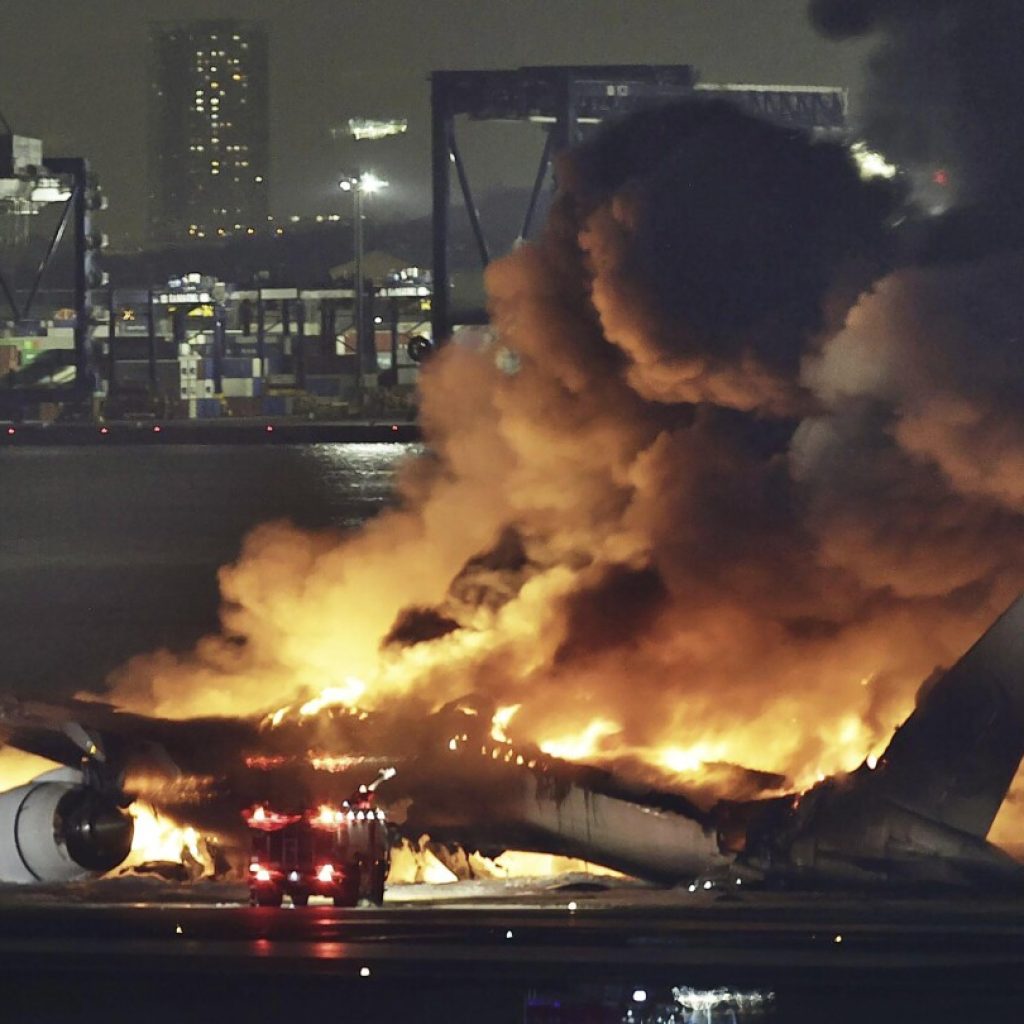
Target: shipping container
(240, 366)
(278, 405)
(326, 387)
(208, 408)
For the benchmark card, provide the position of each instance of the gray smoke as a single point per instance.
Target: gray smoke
(944, 90)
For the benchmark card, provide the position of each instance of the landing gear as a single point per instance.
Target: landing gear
(375, 882)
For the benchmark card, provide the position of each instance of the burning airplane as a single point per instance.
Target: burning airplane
(728, 486)
(918, 815)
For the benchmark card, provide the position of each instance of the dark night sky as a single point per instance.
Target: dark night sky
(74, 73)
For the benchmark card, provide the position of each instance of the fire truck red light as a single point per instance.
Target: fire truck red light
(262, 875)
(326, 873)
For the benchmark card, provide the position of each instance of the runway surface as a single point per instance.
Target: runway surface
(500, 952)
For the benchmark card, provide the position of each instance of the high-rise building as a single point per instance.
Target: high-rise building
(209, 130)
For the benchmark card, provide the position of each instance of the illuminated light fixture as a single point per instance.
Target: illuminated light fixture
(367, 182)
(11, 431)
(639, 995)
(364, 972)
(262, 875)
(365, 128)
(870, 163)
(157, 429)
(104, 431)
(270, 428)
(370, 183)
(49, 190)
(325, 874)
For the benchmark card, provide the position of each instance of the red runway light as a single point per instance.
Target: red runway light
(394, 426)
(104, 430)
(157, 429)
(10, 430)
(270, 428)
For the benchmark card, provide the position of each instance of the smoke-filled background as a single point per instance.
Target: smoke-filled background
(732, 482)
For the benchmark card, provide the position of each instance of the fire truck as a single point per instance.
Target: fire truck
(341, 852)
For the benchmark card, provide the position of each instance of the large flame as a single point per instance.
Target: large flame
(694, 511)
(158, 838)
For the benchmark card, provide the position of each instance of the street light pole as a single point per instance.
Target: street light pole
(366, 182)
(360, 297)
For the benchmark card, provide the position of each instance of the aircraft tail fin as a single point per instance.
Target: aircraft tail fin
(954, 758)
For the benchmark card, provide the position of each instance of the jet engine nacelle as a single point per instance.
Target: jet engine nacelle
(58, 829)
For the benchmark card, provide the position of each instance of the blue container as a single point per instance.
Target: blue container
(277, 405)
(207, 408)
(237, 366)
(325, 387)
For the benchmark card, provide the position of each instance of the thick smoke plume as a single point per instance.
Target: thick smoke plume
(708, 517)
(943, 91)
